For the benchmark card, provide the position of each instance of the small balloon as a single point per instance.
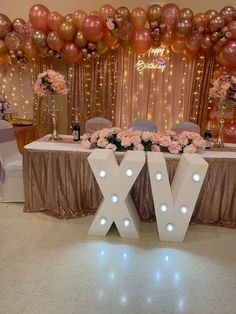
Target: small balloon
(207, 42)
(211, 13)
(38, 15)
(39, 39)
(108, 39)
(179, 45)
(101, 48)
(30, 49)
(200, 20)
(67, 31)
(80, 40)
(71, 52)
(5, 25)
(138, 17)
(232, 28)
(170, 14)
(216, 23)
(3, 47)
(13, 41)
(186, 14)
(168, 37)
(228, 13)
(106, 11)
(54, 41)
(194, 41)
(154, 13)
(124, 12)
(228, 54)
(54, 20)
(78, 18)
(184, 27)
(69, 18)
(17, 24)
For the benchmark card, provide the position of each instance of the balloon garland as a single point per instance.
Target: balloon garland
(79, 36)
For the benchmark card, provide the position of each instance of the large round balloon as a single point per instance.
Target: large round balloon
(211, 13)
(5, 25)
(194, 41)
(93, 28)
(229, 133)
(216, 23)
(228, 54)
(186, 14)
(140, 40)
(138, 17)
(71, 52)
(38, 15)
(179, 45)
(228, 13)
(78, 18)
(107, 10)
(154, 13)
(54, 41)
(200, 20)
(54, 20)
(170, 14)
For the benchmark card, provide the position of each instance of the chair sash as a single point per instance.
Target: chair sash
(7, 135)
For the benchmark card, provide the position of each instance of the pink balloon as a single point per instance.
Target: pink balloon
(140, 40)
(106, 10)
(194, 41)
(12, 41)
(228, 54)
(54, 41)
(170, 14)
(38, 15)
(229, 133)
(5, 25)
(78, 18)
(71, 52)
(232, 28)
(93, 28)
(138, 17)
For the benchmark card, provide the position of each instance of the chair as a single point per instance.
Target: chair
(142, 126)
(11, 174)
(186, 126)
(96, 124)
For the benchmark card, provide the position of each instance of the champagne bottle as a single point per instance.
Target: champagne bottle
(76, 130)
(207, 135)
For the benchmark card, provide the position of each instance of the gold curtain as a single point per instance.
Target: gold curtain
(202, 80)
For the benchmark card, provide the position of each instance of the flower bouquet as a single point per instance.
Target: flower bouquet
(116, 139)
(50, 83)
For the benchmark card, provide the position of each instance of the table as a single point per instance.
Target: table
(24, 135)
(58, 181)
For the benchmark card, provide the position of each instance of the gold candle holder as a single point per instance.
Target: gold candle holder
(53, 112)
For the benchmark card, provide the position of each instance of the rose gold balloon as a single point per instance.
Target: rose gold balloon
(5, 25)
(54, 20)
(71, 52)
(232, 28)
(228, 13)
(228, 54)
(184, 27)
(67, 31)
(138, 17)
(186, 14)
(168, 37)
(12, 41)
(78, 18)
(30, 49)
(39, 39)
(125, 31)
(54, 41)
(101, 48)
(94, 12)
(38, 15)
(200, 20)
(207, 42)
(93, 28)
(229, 133)
(124, 12)
(216, 23)
(17, 24)
(154, 13)
(3, 47)
(25, 32)
(107, 10)
(140, 40)
(211, 13)
(194, 41)
(108, 39)
(179, 45)
(80, 40)
(170, 14)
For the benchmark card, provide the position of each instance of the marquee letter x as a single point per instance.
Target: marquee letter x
(115, 183)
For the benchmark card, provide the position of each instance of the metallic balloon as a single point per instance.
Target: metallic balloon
(39, 38)
(17, 24)
(184, 27)
(124, 12)
(67, 31)
(80, 40)
(5, 25)
(228, 13)
(3, 47)
(186, 14)
(154, 13)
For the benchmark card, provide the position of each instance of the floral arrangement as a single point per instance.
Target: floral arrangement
(223, 88)
(116, 139)
(50, 81)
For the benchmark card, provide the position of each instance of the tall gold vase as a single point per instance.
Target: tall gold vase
(54, 113)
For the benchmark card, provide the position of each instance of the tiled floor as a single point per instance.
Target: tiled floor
(52, 266)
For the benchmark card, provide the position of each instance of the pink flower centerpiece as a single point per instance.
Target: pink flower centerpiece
(116, 139)
(50, 81)
(223, 88)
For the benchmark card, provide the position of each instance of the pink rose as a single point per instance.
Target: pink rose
(174, 148)
(170, 133)
(93, 139)
(131, 132)
(165, 140)
(146, 136)
(125, 142)
(139, 147)
(190, 149)
(112, 147)
(86, 144)
(84, 137)
(199, 143)
(120, 135)
(183, 140)
(155, 148)
(155, 138)
(102, 142)
(115, 130)
(135, 140)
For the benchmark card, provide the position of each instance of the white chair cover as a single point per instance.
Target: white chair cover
(142, 126)
(11, 174)
(96, 124)
(186, 126)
